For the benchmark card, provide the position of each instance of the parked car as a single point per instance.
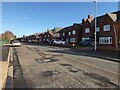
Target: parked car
(61, 42)
(57, 42)
(46, 42)
(86, 42)
(29, 41)
(16, 43)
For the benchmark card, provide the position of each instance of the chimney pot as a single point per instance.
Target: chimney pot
(90, 17)
(83, 20)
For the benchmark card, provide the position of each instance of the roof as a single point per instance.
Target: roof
(36, 34)
(99, 19)
(115, 16)
(64, 29)
(68, 28)
(57, 29)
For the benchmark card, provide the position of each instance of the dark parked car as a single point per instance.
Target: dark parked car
(87, 42)
(46, 42)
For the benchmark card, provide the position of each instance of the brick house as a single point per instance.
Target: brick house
(47, 36)
(87, 30)
(107, 29)
(72, 34)
(63, 34)
(35, 37)
(40, 38)
(29, 38)
(56, 34)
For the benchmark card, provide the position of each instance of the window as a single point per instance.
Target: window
(105, 40)
(87, 30)
(72, 39)
(106, 27)
(63, 34)
(69, 33)
(97, 29)
(74, 32)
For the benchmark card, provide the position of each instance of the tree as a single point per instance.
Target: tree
(15, 36)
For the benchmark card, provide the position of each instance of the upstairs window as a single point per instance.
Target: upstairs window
(74, 32)
(106, 27)
(87, 30)
(69, 33)
(97, 29)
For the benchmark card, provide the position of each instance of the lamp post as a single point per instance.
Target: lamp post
(95, 1)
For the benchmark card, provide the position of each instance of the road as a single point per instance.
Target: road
(38, 66)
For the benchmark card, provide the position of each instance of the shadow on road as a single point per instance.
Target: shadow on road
(112, 56)
(18, 79)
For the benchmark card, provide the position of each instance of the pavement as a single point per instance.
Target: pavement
(107, 55)
(4, 53)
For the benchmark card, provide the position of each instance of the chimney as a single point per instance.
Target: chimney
(83, 20)
(90, 17)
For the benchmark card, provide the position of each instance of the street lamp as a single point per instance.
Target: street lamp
(95, 1)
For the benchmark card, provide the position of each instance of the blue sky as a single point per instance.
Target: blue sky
(25, 18)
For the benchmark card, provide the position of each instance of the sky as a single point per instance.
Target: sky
(26, 18)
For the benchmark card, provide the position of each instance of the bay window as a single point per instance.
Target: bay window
(105, 40)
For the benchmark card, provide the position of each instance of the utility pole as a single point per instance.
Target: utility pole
(95, 1)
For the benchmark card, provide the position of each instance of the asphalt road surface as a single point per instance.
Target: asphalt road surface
(55, 67)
